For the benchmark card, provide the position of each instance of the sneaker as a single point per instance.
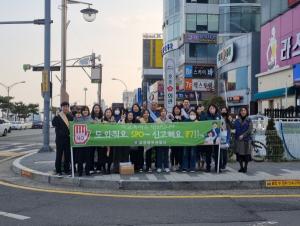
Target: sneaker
(149, 170)
(192, 171)
(141, 170)
(167, 170)
(207, 170)
(184, 171)
(158, 170)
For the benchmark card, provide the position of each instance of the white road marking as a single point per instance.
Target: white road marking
(14, 216)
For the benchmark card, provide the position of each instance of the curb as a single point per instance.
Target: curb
(23, 171)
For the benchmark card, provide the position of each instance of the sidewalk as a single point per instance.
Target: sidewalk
(39, 166)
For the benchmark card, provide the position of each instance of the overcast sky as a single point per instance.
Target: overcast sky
(116, 35)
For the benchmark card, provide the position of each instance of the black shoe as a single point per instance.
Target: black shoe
(245, 170)
(207, 170)
(241, 170)
(80, 174)
(88, 174)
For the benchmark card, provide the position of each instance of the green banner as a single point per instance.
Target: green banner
(151, 134)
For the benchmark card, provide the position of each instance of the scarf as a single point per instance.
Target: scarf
(64, 118)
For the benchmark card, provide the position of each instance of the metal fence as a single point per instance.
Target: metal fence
(282, 113)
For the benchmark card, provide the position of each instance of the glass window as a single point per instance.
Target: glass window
(201, 22)
(198, 50)
(191, 22)
(213, 23)
(236, 79)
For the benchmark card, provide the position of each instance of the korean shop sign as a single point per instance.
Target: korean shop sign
(280, 41)
(151, 134)
(199, 71)
(225, 55)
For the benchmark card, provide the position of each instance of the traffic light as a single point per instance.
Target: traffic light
(26, 67)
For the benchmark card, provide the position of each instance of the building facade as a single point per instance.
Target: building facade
(190, 29)
(238, 17)
(152, 70)
(280, 58)
(238, 64)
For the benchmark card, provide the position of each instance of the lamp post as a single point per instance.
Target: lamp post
(126, 89)
(85, 90)
(89, 15)
(8, 88)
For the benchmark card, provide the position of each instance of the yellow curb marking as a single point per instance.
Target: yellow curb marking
(282, 183)
(148, 196)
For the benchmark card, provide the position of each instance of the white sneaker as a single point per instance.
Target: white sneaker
(167, 170)
(158, 170)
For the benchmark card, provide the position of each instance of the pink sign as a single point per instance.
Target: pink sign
(280, 41)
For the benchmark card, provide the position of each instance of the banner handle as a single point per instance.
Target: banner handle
(72, 163)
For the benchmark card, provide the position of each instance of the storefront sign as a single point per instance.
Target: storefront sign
(235, 99)
(280, 41)
(206, 85)
(169, 47)
(225, 55)
(191, 95)
(188, 84)
(296, 73)
(199, 71)
(151, 134)
(200, 38)
(170, 84)
(152, 36)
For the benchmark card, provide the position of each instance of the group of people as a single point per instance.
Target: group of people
(105, 160)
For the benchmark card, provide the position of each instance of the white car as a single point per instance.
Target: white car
(9, 124)
(18, 125)
(4, 127)
(28, 125)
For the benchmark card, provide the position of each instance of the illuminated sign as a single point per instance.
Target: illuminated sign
(199, 71)
(152, 36)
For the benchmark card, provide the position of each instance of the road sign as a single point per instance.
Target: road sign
(40, 68)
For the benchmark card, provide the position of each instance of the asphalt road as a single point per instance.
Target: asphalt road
(25, 205)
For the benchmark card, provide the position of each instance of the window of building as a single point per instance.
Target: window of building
(198, 50)
(213, 23)
(201, 22)
(236, 79)
(191, 22)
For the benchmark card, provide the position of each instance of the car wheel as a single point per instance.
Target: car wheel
(5, 132)
(9, 130)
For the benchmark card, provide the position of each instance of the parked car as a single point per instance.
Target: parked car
(4, 127)
(37, 125)
(17, 125)
(28, 125)
(9, 124)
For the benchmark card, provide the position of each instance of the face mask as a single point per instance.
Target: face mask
(117, 112)
(193, 117)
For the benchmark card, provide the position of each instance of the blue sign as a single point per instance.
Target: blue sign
(188, 71)
(296, 73)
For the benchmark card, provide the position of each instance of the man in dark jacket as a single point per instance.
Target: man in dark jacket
(61, 124)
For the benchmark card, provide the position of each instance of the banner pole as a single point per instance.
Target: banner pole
(219, 153)
(72, 163)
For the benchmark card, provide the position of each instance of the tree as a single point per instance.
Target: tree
(274, 144)
(5, 103)
(33, 109)
(217, 100)
(21, 110)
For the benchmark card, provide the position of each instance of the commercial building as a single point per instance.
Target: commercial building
(238, 17)
(152, 70)
(280, 57)
(238, 63)
(190, 29)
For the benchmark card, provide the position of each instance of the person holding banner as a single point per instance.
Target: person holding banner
(154, 111)
(176, 152)
(200, 110)
(139, 153)
(243, 132)
(212, 114)
(225, 137)
(62, 140)
(107, 154)
(96, 116)
(163, 152)
(189, 153)
(201, 116)
(83, 153)
(146, 119)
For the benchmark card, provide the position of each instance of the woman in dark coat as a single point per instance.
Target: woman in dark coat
(243, 131)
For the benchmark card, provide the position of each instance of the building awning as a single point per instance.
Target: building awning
(274, 93)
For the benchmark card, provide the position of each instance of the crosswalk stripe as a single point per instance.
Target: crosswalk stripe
(14, 216)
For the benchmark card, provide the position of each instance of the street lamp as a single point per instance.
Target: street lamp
(126, 89)
(89, 15)
(8, 88)
(85, 90)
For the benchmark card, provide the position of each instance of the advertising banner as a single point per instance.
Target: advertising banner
(199, 71)
(280, 41)
(152, 134)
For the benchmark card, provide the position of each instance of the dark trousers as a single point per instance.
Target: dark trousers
(176, 156)
(162, 157)
(223, 158)
(189, 158)
(63, 149)
(149, 154)
(137, 157)
(92, 158)
(209, 151)
(104, 159)
(84, 157)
